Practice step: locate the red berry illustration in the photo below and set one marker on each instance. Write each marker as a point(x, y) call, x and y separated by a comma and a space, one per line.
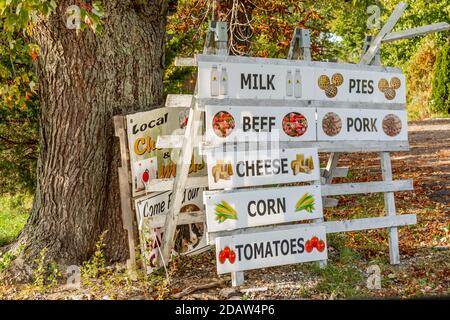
point(320, 246)
point(227, 251)
point(232, 257)
point(314, 241)
point(222, 257)
point(308, 246)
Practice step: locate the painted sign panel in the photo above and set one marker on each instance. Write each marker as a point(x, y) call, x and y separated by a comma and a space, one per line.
point(261, 167)
point(189, 236)
point(147, 161)
point(354, 124)
point(237, 124)
point(243, 209)
point(267, 249)
point(159, 203)
point(249, 78)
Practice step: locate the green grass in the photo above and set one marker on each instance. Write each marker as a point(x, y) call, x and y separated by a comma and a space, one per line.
point(14, 212)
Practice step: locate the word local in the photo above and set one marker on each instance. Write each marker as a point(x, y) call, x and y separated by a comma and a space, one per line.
point(262, 167)
point(364, 124)
point(253, 81)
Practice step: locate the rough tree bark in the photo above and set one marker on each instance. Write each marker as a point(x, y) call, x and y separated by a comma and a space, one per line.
point(84, 80)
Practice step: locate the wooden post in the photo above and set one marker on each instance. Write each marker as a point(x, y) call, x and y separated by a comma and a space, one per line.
point(125, 194)
point(389, 202)
point(300, 45)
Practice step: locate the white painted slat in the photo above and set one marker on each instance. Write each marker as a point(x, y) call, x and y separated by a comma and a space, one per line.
point(339, 172)
point(160, 185)
point(185, 62)
point(332, 226)
point(366, 187)
point(183, 218)
point(169, 142)
point(387, 28)
point(414, 32)
point(325, 146)
point(179, 100)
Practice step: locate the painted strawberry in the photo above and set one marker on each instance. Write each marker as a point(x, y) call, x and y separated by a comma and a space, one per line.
point(314, 241)
point(232, 257)
point(308, 246)
point(222, 257)
point(320, 245)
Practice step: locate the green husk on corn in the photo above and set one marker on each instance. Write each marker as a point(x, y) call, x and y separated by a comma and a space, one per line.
point(224, 211)
point(306, 202)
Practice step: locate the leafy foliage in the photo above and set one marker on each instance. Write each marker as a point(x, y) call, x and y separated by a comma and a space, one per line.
point(441, 84)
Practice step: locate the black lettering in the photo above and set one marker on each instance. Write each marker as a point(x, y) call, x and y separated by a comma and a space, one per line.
point(248, 254)
point(281, 205)
point(261, 208)
point(239, 247)
point(261, 87)
point(349, 123)
point(358, 124)
point(268, 250)
point(276, 242)
point(301, 247)
point(246, 124)
point(293, 246)
point(134, 129)
point(269, 82)
point(284, 166)
point(271, 206)
point(352, 85)
point(246, 81)
point(366, 125)
point(259, 250)
point(284, 247)
point(251, 213)
point(255, 82)
point(238, 165)
point(373, 124)
point(370, 87)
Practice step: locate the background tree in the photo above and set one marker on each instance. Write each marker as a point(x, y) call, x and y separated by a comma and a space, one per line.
point(114, 67)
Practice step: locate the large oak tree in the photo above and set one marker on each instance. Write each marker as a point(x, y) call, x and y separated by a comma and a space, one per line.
point(85, 78)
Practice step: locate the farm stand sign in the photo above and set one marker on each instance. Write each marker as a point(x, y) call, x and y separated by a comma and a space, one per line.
point(147, 161)
point(267, 249)
point(357, 124)
point(224, 124)
point(257, 78)
point(261, 167)
point(242, 209)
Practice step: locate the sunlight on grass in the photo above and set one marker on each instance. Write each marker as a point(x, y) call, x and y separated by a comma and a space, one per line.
point(14, 212)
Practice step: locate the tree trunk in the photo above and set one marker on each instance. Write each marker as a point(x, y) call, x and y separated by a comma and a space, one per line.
point(85, 79)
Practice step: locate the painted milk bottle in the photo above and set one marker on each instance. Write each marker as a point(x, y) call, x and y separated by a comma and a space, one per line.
point(289, 84)
point(224, 82)
point(214, 81)
point(297, 84)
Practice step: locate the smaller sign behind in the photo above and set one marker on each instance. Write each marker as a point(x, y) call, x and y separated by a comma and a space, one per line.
point(243, 209)
point(267, 249)
point(159, 203)
point(236, 124)
point(354, 124)
point(261, 167)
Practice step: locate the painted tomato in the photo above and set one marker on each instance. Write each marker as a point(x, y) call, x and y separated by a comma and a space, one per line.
point(232, 257)
point(222, 257)
point(314, 241)
point(145, 176)
point(308, 246)
point(320, 246)
point(227, 251)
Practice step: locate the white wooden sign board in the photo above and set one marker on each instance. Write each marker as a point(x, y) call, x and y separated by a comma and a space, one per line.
point(278, 79)
point(261, 167)
point(354, 124)
point(242, 209)
point(266, 249)
point(147, 161)
point(232, 123)
point(159, 204)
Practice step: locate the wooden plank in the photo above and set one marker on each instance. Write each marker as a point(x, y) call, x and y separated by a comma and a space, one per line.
point(202, 102)
point(329, 202)
point(125, 194)
point(180, 182)
point(294, 63)
point(339, 172)
point(414, 32)
point(389, 203)
point(159, 185)
point(366, 187)
point(185, 62)
point(325, 146)
point(387, 28)
point(332, 226)
point(183, 218)
point(179, 100)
